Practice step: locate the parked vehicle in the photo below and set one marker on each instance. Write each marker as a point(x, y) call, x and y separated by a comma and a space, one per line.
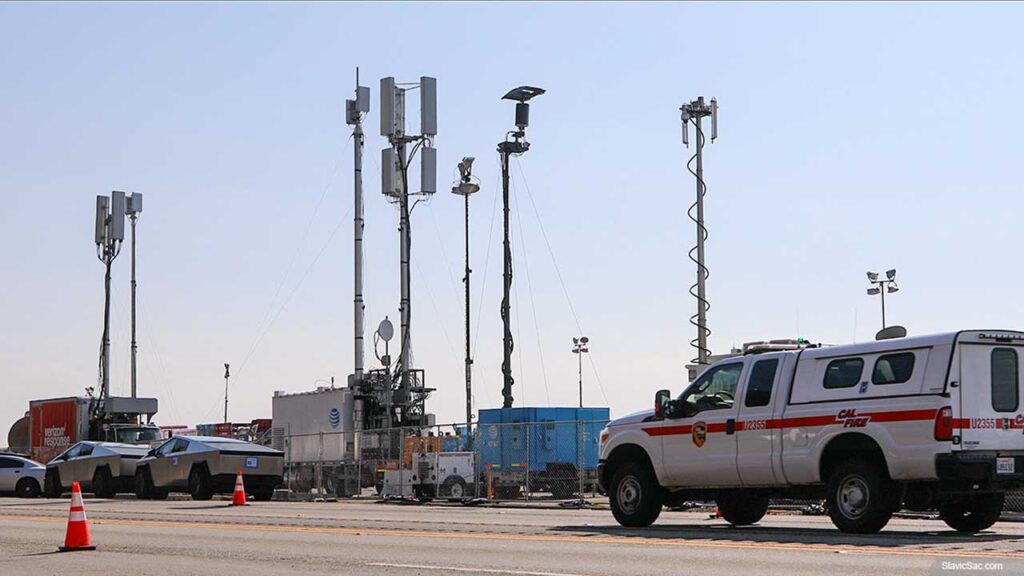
point(103, 468)
point(21, 476)
point(207, 465)
point(53, 425)
point(930, 422)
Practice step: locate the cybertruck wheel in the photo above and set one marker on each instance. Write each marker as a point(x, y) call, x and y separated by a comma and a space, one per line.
point(199, 484)
point(635, 495)
point(973, 513)
point(51, 484)
point(103, 484)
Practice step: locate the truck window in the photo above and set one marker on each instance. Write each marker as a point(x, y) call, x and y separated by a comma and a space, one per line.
point(893, 368)
point(1005, 377)
point(714, 390)
point(843, 373)
point(759, 389)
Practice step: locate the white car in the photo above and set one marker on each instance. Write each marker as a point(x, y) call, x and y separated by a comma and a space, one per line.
point(21, 476)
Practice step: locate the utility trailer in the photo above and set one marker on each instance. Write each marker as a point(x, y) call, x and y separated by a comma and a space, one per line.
point(539, 449)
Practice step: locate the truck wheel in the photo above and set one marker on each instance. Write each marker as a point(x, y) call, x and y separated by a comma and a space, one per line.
point(741, 508)
point(51, 484)
point(454, 488)
point(972, 513)
point(635, 495)
point(27, 488)
point(861, 497)
point(199, 484)
point(506, 492)
point(103, 484)
point(262, 494)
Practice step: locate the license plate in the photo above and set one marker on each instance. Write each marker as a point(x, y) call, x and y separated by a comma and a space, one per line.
point(254, 462)
point(1005, 466)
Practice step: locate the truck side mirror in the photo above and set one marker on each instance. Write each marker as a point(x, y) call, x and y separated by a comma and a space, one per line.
point(661, 400)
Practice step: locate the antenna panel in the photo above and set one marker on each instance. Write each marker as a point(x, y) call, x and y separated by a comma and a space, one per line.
point(428, 170)
point(102, 211)
point(388, 173)
point(133, 204)
point(387, 106)
point(363, 99)
point(428, 106)
point(117, 215)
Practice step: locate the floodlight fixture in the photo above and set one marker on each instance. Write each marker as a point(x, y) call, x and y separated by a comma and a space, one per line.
point(584, 340)
point(874, 291)
point(872, 276)
point(893, 288)
point(891, 274)
point(466, 167)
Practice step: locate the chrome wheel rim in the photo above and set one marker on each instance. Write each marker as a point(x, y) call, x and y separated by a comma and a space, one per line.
point(456, 490)
point(629, 495)
point(853, 496)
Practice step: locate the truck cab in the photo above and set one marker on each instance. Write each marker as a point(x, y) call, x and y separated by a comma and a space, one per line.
point(925, 422)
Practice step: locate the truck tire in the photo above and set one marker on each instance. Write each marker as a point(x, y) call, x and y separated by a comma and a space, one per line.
point(103, 484)
point(742, 508)
point(51, 484)
point(27, 488)
point(454, 489)
point(199, 484)
point(634, 495)
point(262, 494)
point(972, 513)
point(861, 498)
point(506, 492)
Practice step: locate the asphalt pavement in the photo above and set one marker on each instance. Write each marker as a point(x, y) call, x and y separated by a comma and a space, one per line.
point(185, 537)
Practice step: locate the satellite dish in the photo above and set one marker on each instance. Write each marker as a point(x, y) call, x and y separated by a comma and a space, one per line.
point(386, 330)
point(891, 332)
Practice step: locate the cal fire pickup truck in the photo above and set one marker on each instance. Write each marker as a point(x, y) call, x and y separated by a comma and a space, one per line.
point(927, 422)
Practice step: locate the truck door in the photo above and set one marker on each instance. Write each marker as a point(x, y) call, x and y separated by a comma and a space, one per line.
point(698, 440)
point(756, 439)
point(990, 413)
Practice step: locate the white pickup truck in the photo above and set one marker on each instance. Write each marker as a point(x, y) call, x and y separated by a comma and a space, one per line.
point(928, 422)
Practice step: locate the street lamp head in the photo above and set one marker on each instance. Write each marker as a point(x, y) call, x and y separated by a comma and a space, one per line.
point(872, 276)
point(891, 274)
point(874, 291)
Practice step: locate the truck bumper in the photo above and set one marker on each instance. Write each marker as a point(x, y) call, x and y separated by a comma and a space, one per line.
point(969, 469)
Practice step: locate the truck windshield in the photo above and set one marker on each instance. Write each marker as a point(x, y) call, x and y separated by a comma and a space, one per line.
point(141, 435)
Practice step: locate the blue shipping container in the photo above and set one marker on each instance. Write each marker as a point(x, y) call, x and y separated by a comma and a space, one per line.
point(517, 438)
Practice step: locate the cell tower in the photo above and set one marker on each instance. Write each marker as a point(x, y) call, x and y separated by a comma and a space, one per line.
point(395, 162)
point(110, 211)
point(693, 113)
point(354, 112)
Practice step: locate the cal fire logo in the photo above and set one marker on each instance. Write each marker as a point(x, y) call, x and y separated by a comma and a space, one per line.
point(700, 433)
point(851, 419)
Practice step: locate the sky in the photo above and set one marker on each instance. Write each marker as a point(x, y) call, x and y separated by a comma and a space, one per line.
point(853, 137)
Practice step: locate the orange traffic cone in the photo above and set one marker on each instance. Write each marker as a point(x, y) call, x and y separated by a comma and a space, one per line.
point(239, 498)
point(77, 537)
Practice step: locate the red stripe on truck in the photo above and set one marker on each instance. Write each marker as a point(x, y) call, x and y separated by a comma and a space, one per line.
point(800, 422)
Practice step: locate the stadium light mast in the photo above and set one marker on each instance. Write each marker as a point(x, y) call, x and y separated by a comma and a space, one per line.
point(693, 113)
point(395, 185)
point(579, 348)
point(879, 286)
point(518, 146)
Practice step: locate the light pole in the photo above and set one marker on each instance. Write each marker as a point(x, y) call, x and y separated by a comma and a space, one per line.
point(227, 375)
point(518, 145)
point(133, 207)
point(465, 187)
point(879, 286)
point(579, 348)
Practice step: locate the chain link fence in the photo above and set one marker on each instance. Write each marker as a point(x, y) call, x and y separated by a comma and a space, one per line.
point(522, 460)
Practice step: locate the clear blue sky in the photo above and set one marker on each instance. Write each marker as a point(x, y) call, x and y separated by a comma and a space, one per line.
point(853, 137)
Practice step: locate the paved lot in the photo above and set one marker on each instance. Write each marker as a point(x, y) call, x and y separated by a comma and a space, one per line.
point(185, 537)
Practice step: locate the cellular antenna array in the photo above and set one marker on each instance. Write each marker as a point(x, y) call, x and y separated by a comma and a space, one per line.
point(693, 113)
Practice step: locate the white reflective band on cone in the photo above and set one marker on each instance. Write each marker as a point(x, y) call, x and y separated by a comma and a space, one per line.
point(76, 517)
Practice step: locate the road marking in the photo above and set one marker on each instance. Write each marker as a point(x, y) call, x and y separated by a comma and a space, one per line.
point(592, 539)
point(462, 569)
